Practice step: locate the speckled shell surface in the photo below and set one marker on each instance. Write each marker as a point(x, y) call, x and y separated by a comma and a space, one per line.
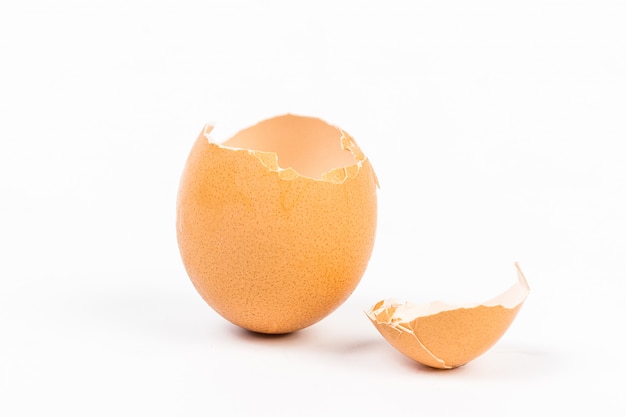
point(444, 336)
point(451, 338)
point(270, 250)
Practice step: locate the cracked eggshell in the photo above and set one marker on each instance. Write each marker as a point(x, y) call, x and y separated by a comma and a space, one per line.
point(445, 336)
point(276, 225)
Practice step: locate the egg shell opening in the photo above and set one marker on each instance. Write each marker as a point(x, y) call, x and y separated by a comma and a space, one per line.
point(443, 336)
point(275, 236)
point(300, 146)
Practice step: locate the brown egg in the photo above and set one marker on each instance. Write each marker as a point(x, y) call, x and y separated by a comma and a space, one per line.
point(444, 336)
point(276, 225)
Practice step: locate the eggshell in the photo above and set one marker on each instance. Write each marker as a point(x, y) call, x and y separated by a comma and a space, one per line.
point(276, 225)
point(445, 336)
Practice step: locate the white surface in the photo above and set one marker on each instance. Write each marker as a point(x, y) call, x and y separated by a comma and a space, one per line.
point(496, 130)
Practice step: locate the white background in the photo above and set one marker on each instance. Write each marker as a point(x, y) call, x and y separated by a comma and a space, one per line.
point(496, 130)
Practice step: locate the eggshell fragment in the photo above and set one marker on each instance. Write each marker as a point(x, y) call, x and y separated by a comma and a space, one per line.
point(276, 225)
point(445, 336)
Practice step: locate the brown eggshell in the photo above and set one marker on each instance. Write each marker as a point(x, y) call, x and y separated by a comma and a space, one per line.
point(444, 336)
point(276, 226)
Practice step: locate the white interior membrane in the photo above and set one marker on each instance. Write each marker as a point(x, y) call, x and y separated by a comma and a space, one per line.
point(509, 299)
point(308, 145)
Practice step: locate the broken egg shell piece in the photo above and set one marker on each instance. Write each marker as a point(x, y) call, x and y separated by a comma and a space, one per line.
point(445, 336)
